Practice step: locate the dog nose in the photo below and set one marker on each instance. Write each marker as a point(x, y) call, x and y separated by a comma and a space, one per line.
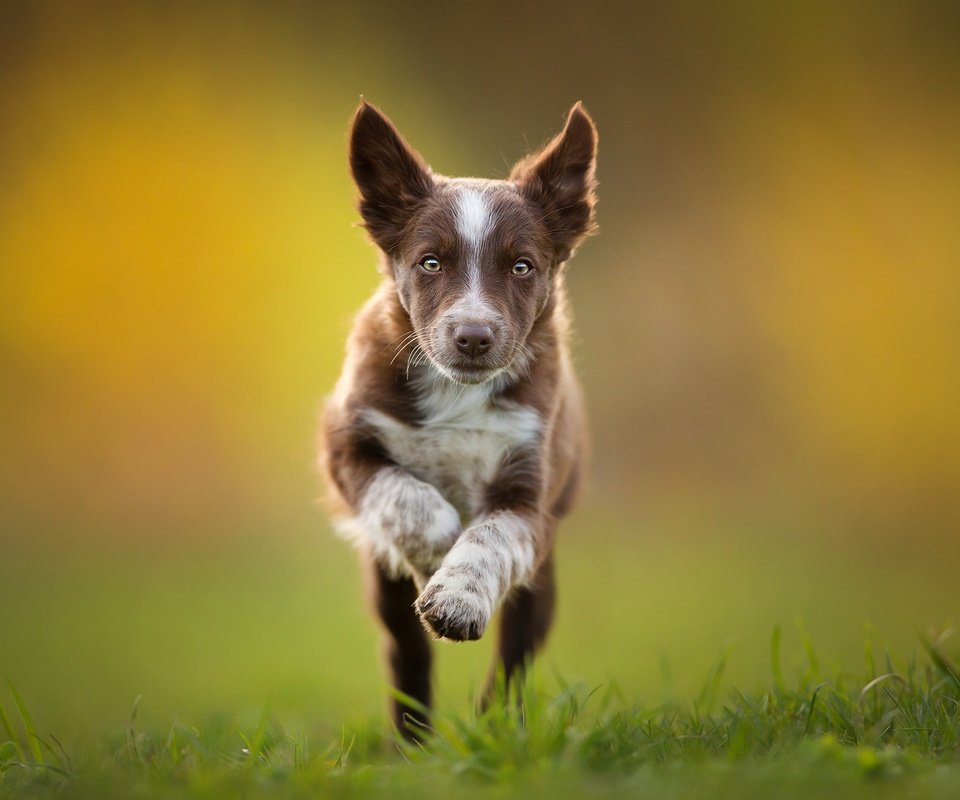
point(473, 340)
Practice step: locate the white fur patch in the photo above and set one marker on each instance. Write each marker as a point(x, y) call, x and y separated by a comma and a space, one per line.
point(493, 555)
point(462, 440)
point(406, 521)
point(501, 544)
point(475, 218)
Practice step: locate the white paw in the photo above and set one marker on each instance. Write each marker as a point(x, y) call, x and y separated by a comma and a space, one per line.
point(403, 513)
point(453, 607)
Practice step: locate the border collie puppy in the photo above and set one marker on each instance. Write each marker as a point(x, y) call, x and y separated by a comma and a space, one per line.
point(454, 436)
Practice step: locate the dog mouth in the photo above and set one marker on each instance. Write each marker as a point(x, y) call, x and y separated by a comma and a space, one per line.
point(471, 373)
point(466, 372)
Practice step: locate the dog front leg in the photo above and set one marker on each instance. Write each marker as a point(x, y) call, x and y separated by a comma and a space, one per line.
point(407, 525)
point(498, 551)
point(407, 519)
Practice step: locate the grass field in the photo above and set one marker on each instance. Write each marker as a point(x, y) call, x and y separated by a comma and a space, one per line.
point(892, 734)
point(682, 665)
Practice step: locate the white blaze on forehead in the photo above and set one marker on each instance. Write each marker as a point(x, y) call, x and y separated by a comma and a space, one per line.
point(474, 216)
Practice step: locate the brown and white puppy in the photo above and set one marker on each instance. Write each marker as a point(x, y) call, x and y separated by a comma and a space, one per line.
point(455, 433)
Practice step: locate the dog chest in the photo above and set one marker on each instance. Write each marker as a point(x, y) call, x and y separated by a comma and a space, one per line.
point(460, 443)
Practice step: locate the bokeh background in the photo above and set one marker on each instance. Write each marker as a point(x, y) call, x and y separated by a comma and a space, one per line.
point(768, 330)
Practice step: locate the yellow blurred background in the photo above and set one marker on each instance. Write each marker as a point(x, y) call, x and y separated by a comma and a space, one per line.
point(768, 326)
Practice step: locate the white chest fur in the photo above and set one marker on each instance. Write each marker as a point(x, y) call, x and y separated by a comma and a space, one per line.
point(463, 439)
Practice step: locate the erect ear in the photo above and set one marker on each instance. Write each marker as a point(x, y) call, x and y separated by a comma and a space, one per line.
point(560, 179)
point(391, 176)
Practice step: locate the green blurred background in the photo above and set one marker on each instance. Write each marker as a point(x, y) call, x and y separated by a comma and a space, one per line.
point(768, 330)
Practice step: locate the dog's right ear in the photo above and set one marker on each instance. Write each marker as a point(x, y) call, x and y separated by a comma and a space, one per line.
point(392, 177)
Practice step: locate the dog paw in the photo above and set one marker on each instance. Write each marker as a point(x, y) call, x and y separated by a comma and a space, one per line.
point(407, 516)
point(457, 613)
point(426, 547)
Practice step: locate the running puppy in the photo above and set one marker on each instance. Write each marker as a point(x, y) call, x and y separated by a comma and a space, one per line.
point(455, 433)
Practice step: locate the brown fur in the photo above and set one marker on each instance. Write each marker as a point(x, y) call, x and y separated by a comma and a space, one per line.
point(406, 333)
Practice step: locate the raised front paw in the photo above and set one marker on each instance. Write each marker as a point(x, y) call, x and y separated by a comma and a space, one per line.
point(426, 546)
point(453, 609)
point(402, 512)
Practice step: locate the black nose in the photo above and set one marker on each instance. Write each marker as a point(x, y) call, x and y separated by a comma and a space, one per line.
point(473, 340)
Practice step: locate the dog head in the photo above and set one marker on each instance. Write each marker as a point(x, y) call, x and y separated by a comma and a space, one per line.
point(474, 261)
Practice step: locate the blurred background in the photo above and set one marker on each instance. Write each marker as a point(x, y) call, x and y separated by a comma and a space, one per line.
point(768, 330)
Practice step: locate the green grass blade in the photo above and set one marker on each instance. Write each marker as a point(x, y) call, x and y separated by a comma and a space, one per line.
point(33, 740)
point(56, 755)
point(11, 735)
point(876, 682)
point(255, 745)
point(941, 661)
point(710, 691)
point(813, 703)
point(64, 759)
point(407, 700)
point(345, 748)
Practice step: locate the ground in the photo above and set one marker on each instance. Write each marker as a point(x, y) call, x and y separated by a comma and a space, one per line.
point(680, 667)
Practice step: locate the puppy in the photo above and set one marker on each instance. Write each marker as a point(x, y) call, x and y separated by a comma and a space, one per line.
point(454, 438)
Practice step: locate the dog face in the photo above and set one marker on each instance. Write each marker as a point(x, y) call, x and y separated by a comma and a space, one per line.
point(474, 261)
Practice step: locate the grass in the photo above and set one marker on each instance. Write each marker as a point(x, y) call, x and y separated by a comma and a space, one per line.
point(224, 617)
point(220, 622)
point(892, 731)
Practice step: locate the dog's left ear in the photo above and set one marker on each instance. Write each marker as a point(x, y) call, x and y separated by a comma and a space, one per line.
point(561, 180)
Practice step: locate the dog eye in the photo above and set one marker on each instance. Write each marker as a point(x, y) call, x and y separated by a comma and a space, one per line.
point(430, 264)
point(521, 267)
